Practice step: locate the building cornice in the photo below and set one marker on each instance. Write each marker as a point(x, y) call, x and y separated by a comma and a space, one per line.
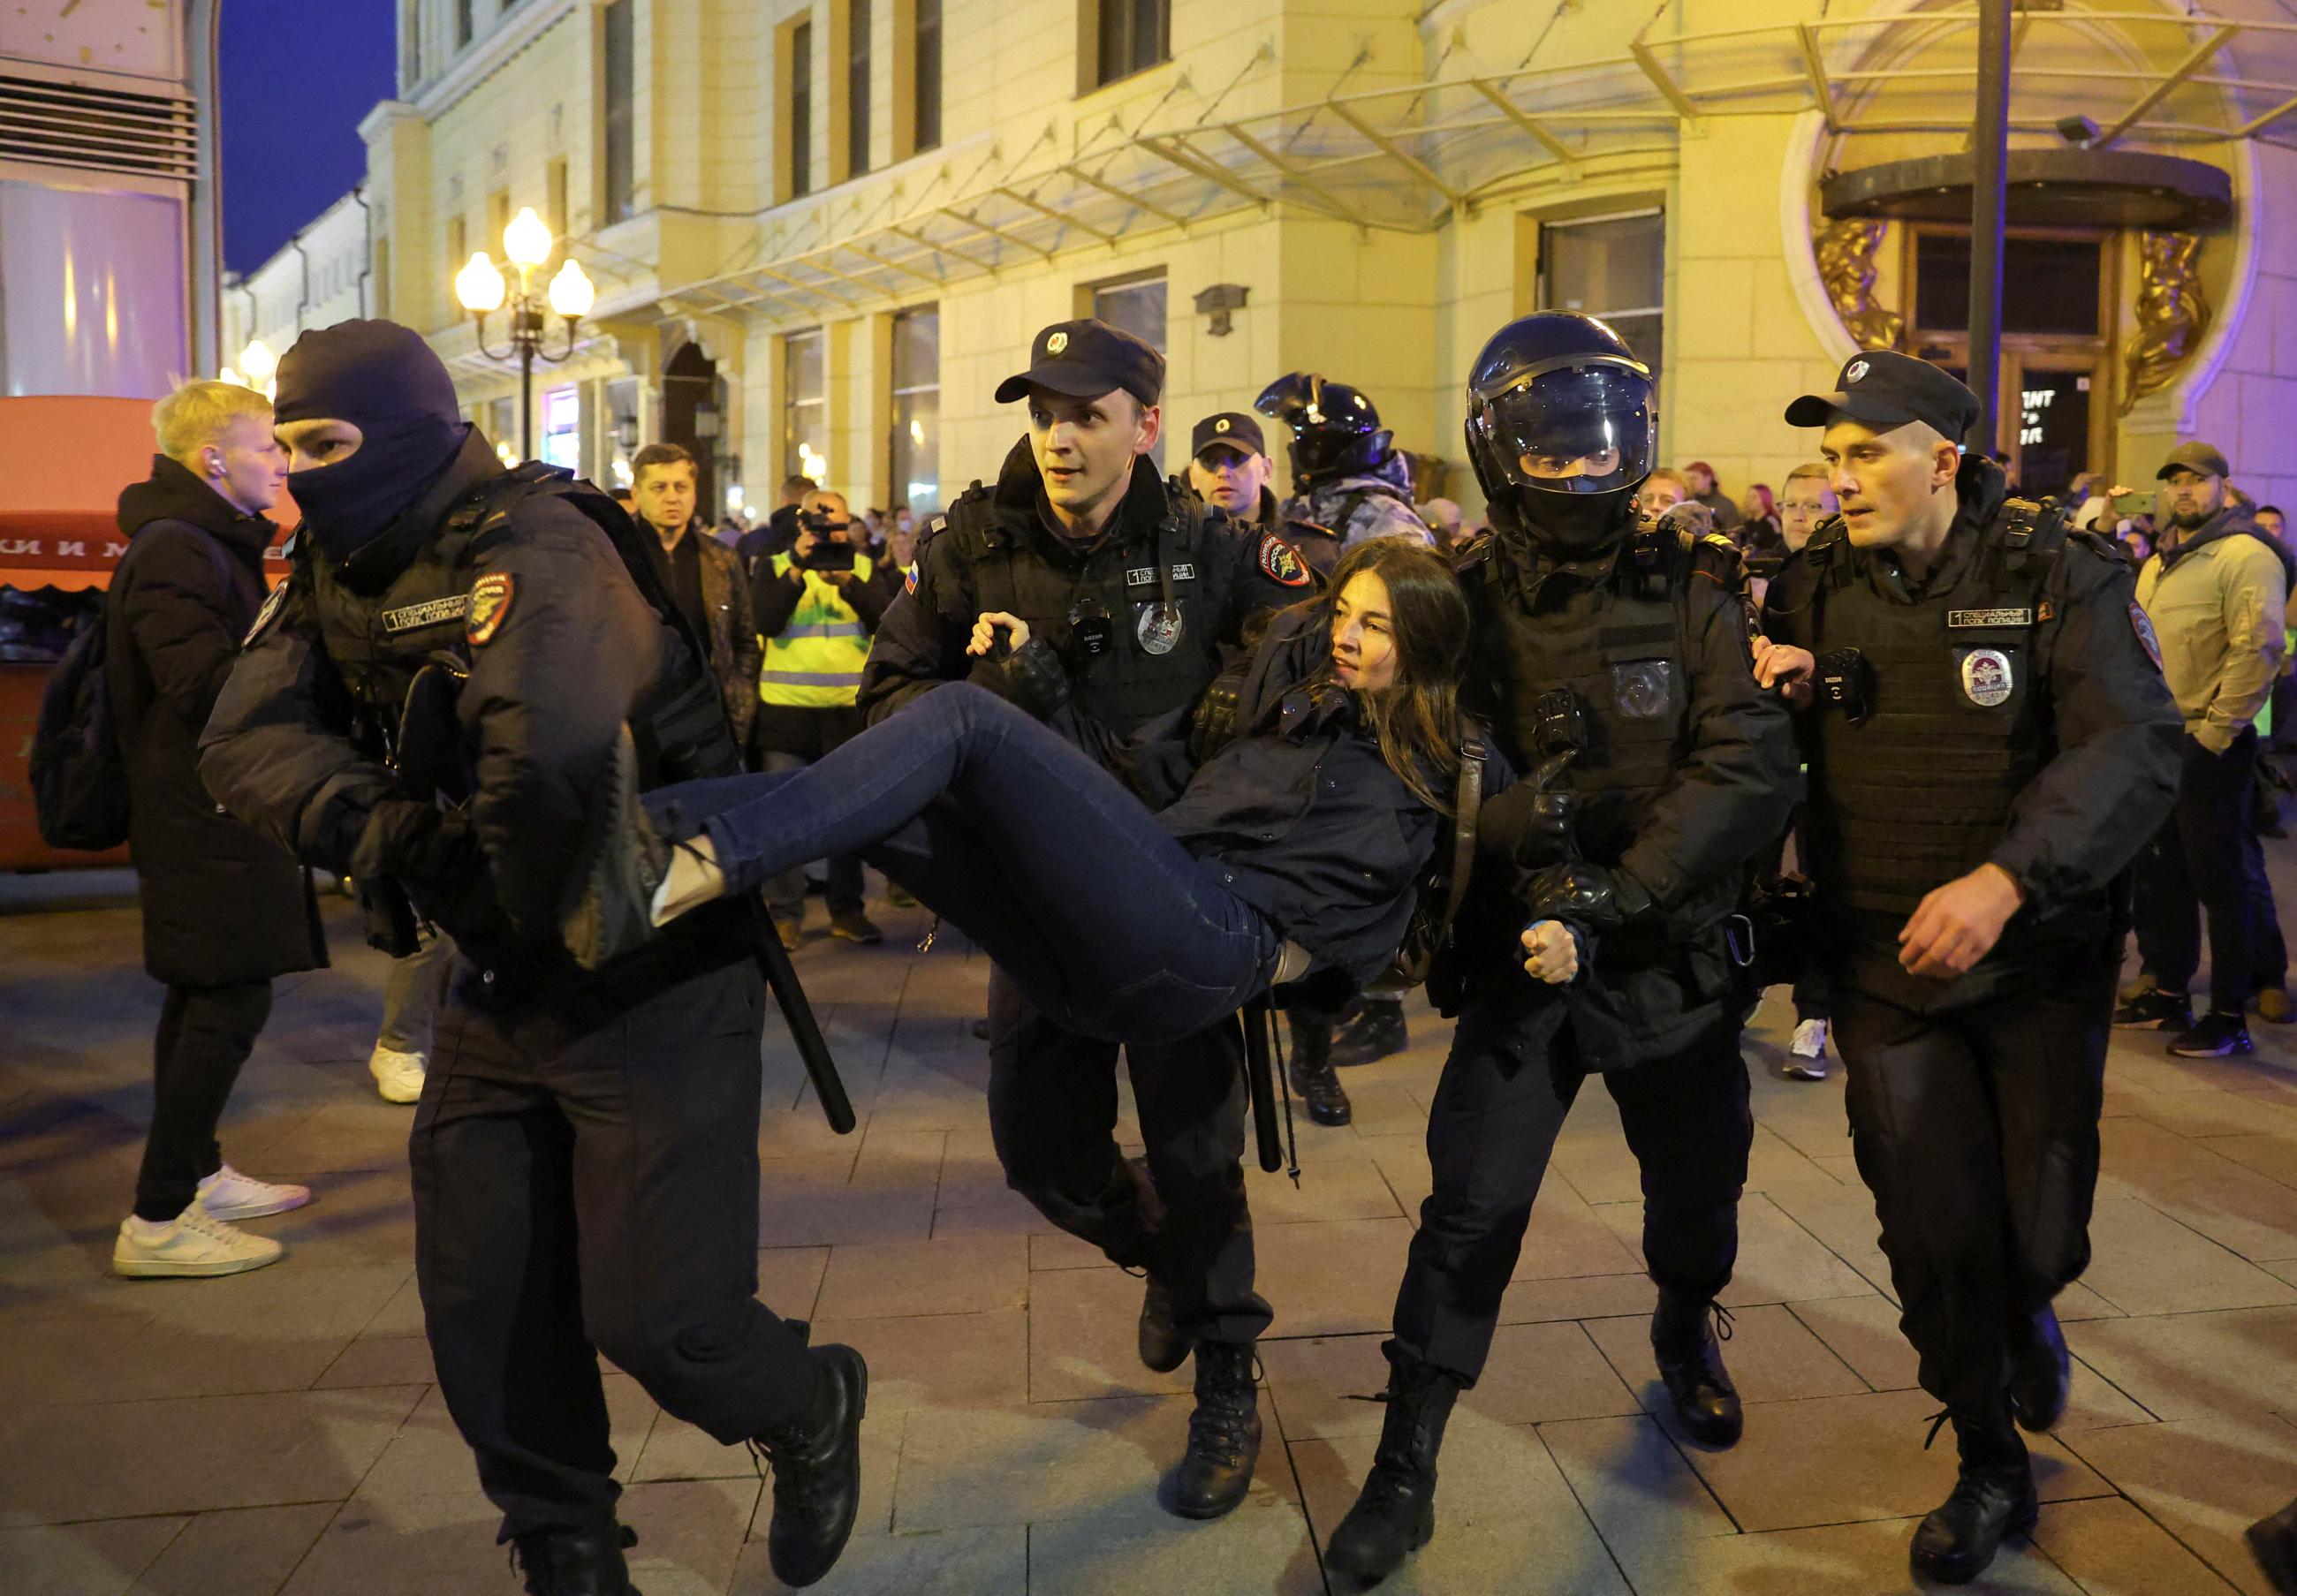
point(483, 59)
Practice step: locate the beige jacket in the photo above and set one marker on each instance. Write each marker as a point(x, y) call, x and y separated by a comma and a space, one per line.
point(2217, 609)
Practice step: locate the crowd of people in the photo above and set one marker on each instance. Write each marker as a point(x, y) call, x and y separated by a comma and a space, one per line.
point(1169, 748)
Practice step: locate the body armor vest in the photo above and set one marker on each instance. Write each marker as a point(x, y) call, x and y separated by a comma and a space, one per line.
point(379, 644)
point(1126, 595)
point(1931, 721)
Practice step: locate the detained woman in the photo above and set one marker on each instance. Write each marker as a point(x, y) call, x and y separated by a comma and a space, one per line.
point(1299, 845)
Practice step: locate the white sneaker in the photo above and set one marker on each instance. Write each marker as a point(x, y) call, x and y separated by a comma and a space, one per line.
point(195, 1244)
point(227, 1194)
point(1806, 1054)
point(398, 1076)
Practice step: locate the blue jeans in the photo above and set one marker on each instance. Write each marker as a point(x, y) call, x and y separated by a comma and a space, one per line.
point(1111, 927)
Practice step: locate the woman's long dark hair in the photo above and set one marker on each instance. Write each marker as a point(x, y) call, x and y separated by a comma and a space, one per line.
point(1416, 720)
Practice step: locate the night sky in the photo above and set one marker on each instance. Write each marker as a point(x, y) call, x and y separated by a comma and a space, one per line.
point(295, 79)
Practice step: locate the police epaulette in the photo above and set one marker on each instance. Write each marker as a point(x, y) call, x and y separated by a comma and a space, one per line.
point(1716, 558)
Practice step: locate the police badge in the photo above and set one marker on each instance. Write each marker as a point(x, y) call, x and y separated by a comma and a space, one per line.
point(1643, 690)
point(489, 603)
point(1985, 676)
point(1157, 626)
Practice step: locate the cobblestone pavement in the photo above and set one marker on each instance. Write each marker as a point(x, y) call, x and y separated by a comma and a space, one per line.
point(280, 1432)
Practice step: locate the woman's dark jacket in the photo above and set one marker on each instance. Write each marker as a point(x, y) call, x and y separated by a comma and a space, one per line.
point(221, 902)
point(1301, 818)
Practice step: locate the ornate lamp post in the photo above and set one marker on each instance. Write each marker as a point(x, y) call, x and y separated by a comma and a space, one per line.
point(481, 288)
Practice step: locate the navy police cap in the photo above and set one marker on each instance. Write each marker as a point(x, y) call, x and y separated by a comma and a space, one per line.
point(1884, 390)
point(1086, 358)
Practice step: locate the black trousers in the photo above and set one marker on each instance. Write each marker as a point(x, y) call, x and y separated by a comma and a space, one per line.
point(585, 1188)
point(205, 1034)
point(1052, 1115)
point(1490, 1133)
point(1977, 1132)
point(2206, 863)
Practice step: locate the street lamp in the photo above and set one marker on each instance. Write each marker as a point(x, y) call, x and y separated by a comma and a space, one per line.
point(481, 287)
point(259, 367)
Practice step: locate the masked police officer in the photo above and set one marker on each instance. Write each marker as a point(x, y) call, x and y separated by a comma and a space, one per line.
point(1611, 658)
point(585, 1154)
point(1991, 745)
point(1101, 597)
point(1348, 484)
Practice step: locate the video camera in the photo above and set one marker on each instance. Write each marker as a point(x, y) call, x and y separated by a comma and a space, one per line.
point(829, 553)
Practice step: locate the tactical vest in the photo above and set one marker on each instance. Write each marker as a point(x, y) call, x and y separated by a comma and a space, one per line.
point(815, 663)
point(1944, 723)
point(1128, 582)
point(378, 644)
point(1626, 660)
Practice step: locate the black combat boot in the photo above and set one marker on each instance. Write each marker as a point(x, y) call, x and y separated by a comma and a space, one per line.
point(1690, 1363)
point(1993, 1500)
point(2274, 1542)
point(1223, 1433)
point(1394, 1513)
point(2041, 1370)
point(1312, 1075)
point(1370, 1029)
point(817, 1462)
point(1163, 1347)
point(586, 1560)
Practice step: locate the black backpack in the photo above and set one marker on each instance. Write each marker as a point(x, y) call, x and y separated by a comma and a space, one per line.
point(78, 774)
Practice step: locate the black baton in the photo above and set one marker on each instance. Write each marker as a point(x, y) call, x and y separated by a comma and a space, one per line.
point(797, 1014)
point(1260, 1082)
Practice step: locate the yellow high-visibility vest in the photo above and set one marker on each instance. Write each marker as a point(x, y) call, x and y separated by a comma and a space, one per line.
point(816, 662)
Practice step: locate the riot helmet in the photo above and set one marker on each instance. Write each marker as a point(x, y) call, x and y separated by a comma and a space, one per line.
point(1336, 430)
point(1562, 428)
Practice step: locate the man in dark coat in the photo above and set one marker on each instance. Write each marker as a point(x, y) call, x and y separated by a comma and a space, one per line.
point(224, 908)
point(706, 580)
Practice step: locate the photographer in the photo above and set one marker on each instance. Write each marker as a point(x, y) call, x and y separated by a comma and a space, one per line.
point(816, 606)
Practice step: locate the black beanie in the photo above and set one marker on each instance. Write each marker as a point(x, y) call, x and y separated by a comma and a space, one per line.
point(386, 380)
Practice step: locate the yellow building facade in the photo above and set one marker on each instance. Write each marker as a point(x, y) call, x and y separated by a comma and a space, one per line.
point(822, 230)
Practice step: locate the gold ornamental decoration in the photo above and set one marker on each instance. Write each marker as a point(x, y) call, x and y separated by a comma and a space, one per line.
point(1846, 266)
point(2173, 312)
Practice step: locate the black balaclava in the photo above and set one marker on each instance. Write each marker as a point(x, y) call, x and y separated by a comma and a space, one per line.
point(384, 380)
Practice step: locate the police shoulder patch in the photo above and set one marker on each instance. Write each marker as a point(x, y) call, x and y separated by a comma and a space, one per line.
point(1281, 563)
point(276, 601)
point(489, 603)
point(2142, 624)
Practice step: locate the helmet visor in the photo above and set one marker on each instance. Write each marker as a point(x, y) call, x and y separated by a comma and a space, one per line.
point(1589, 428)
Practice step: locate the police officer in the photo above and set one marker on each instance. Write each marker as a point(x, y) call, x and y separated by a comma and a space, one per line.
point(585, 1152)
point(1348, 484)
point(1990, 746)
point(1129, 591)
point(1229, 468)
point(1611, 656)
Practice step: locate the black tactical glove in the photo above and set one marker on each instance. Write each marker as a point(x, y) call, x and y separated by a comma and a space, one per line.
point(1040, 681)
point(411, 841)
point(1529, 824)
point(1586, 896)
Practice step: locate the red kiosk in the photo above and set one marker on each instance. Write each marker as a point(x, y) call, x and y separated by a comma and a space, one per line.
point(64, 460)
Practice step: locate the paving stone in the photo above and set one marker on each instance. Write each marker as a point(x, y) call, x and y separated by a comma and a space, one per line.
point(1331, 1278)
point(2144, 1261)
point(941, 1360)
point(1568, 1239)
point(1083, 1339)
point(1536, 1373)
point(101, 1557)
point(1864, 1332)
point(1772, 1356)
point(380, 1361)
point(114, 1460)
point(1840, 1559)
point(1834, 1459)
point(991, 1561)
point(1505, 1519)
point(249, 1551)
point(2203, 1480)
point(2190, 1365)
point(2110, 1548)
point(1332, 1186)
point(960, 1275)
point(1632, 1481)
point(1261, 1548)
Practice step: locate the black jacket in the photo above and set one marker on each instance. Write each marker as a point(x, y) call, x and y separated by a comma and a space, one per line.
point(221, 902)
point(1301, 818)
